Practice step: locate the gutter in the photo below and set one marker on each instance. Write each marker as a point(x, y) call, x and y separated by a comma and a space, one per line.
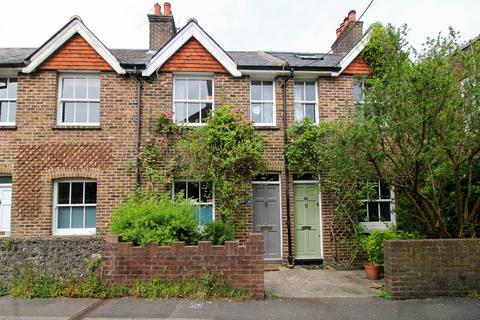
point(287, 172)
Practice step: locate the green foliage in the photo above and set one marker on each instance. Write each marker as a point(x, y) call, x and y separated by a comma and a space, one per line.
point(28, 284)
point(9, 245)
point(207, 287)
point(148, 217)
point(373, 243)
point(383, 293)
point(3, 290)
point(474, 295)
point(227, 152)
point(217, 232)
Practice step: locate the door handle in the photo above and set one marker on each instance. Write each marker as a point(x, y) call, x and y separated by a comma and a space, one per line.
point(266, 204)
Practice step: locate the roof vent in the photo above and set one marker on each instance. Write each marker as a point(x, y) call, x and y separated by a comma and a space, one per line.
point(309, 56)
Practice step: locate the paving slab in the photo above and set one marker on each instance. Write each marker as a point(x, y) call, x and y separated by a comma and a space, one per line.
point(288, 308)
point(42, 309)
point(301, 283)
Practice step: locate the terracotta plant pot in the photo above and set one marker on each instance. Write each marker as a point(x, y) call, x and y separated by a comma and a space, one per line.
point(372, 270)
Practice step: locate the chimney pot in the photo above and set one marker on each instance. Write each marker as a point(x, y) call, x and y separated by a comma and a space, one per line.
point(167, 7)
point(352, 15)
point(339, 32)
point(157, 9)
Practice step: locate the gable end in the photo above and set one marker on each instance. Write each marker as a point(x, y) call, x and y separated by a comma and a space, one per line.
point(193, 57)
point(76, 54)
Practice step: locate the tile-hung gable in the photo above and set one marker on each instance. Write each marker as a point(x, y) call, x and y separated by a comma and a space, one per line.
point(79, 111)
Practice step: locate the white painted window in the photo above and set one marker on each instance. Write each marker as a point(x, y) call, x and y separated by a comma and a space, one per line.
point(306, 100)
point(378, 208)
point(201, 193)
point(5, 205)
point(79, 100)
point(8, 101)
point(192, 99)
point(262, 103)
point(75, 207)
point(359, 86)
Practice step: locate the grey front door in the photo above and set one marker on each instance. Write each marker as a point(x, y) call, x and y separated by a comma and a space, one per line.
point(266, 217)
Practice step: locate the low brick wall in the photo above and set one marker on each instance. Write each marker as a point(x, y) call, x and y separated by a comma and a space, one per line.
point(430, 268)
point(241, 265)
point(61, 256)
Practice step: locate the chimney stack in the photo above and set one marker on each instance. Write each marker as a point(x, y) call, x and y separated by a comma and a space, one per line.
point(349, 33)
point(162, 26)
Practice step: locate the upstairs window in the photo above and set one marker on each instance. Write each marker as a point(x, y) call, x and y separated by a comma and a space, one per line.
point(8, 101)
point(359, 86)
point(201, 194)
point(262, 103)
point(305, 101)
point(79, 102)
point(75, 205)
point(192, 100)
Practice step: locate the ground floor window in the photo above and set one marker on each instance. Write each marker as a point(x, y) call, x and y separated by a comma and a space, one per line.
point(201, 194)
point(378, 207)
point(75, 207)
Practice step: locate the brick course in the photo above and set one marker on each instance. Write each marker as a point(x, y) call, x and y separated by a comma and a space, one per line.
point(241, 265)
point(430, 268)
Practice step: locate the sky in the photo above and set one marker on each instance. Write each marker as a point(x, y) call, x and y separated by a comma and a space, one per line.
point(270, 25)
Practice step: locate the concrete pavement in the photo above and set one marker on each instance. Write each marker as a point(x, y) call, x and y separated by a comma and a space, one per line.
point(283, 308)
point(301, 283)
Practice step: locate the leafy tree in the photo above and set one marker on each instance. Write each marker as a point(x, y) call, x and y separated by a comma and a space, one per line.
point(418, 131)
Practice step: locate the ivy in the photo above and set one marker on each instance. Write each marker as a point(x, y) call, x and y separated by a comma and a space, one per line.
point(228, 152)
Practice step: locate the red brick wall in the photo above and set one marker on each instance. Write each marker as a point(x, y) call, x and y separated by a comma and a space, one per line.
point(242, 266)
point(37, 152)
point(430, 268)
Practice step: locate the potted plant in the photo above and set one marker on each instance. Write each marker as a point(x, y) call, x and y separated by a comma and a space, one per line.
point(373, 245)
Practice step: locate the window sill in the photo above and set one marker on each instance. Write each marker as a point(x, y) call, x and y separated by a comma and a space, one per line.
point(8, 127)
point(76, 127)
point(376, 226)
point(74, 232)
point(266, 128)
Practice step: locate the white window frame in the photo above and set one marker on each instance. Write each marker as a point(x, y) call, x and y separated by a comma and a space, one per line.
point(363, 87)
point(197, 203)
point(61, 100)
point(303, 102)
point(273, 102)
point(71, 231)
point(192, 77)
point(8, 99)
point(381, 225)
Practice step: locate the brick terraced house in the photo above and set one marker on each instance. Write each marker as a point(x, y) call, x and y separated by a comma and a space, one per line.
point(73, 113)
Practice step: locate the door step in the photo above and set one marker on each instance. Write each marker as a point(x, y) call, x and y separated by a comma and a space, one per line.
point(272, 267)
point(306, 262)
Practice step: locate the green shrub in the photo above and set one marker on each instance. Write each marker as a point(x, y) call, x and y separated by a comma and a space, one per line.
point(148, 217)
point(28, 284)
point(3, 290)
point(217, 232)
point(207, 287)
point(373, 243)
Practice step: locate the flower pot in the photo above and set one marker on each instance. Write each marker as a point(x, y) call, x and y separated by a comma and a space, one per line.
point(372, 270)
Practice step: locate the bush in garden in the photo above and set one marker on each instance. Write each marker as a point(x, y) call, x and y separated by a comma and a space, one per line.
point(147, 217)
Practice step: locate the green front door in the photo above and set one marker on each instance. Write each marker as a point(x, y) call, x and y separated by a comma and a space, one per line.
point(307, 221)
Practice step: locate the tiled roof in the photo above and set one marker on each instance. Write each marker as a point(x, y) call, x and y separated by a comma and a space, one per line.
point(244, 59)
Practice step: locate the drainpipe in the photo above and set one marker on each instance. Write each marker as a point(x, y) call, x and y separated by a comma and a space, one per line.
point(139, 125)
point(287, 173)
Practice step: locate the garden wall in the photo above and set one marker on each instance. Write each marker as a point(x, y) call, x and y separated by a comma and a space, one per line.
point(55, 255)
point(430, 268)
point(241, 265)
